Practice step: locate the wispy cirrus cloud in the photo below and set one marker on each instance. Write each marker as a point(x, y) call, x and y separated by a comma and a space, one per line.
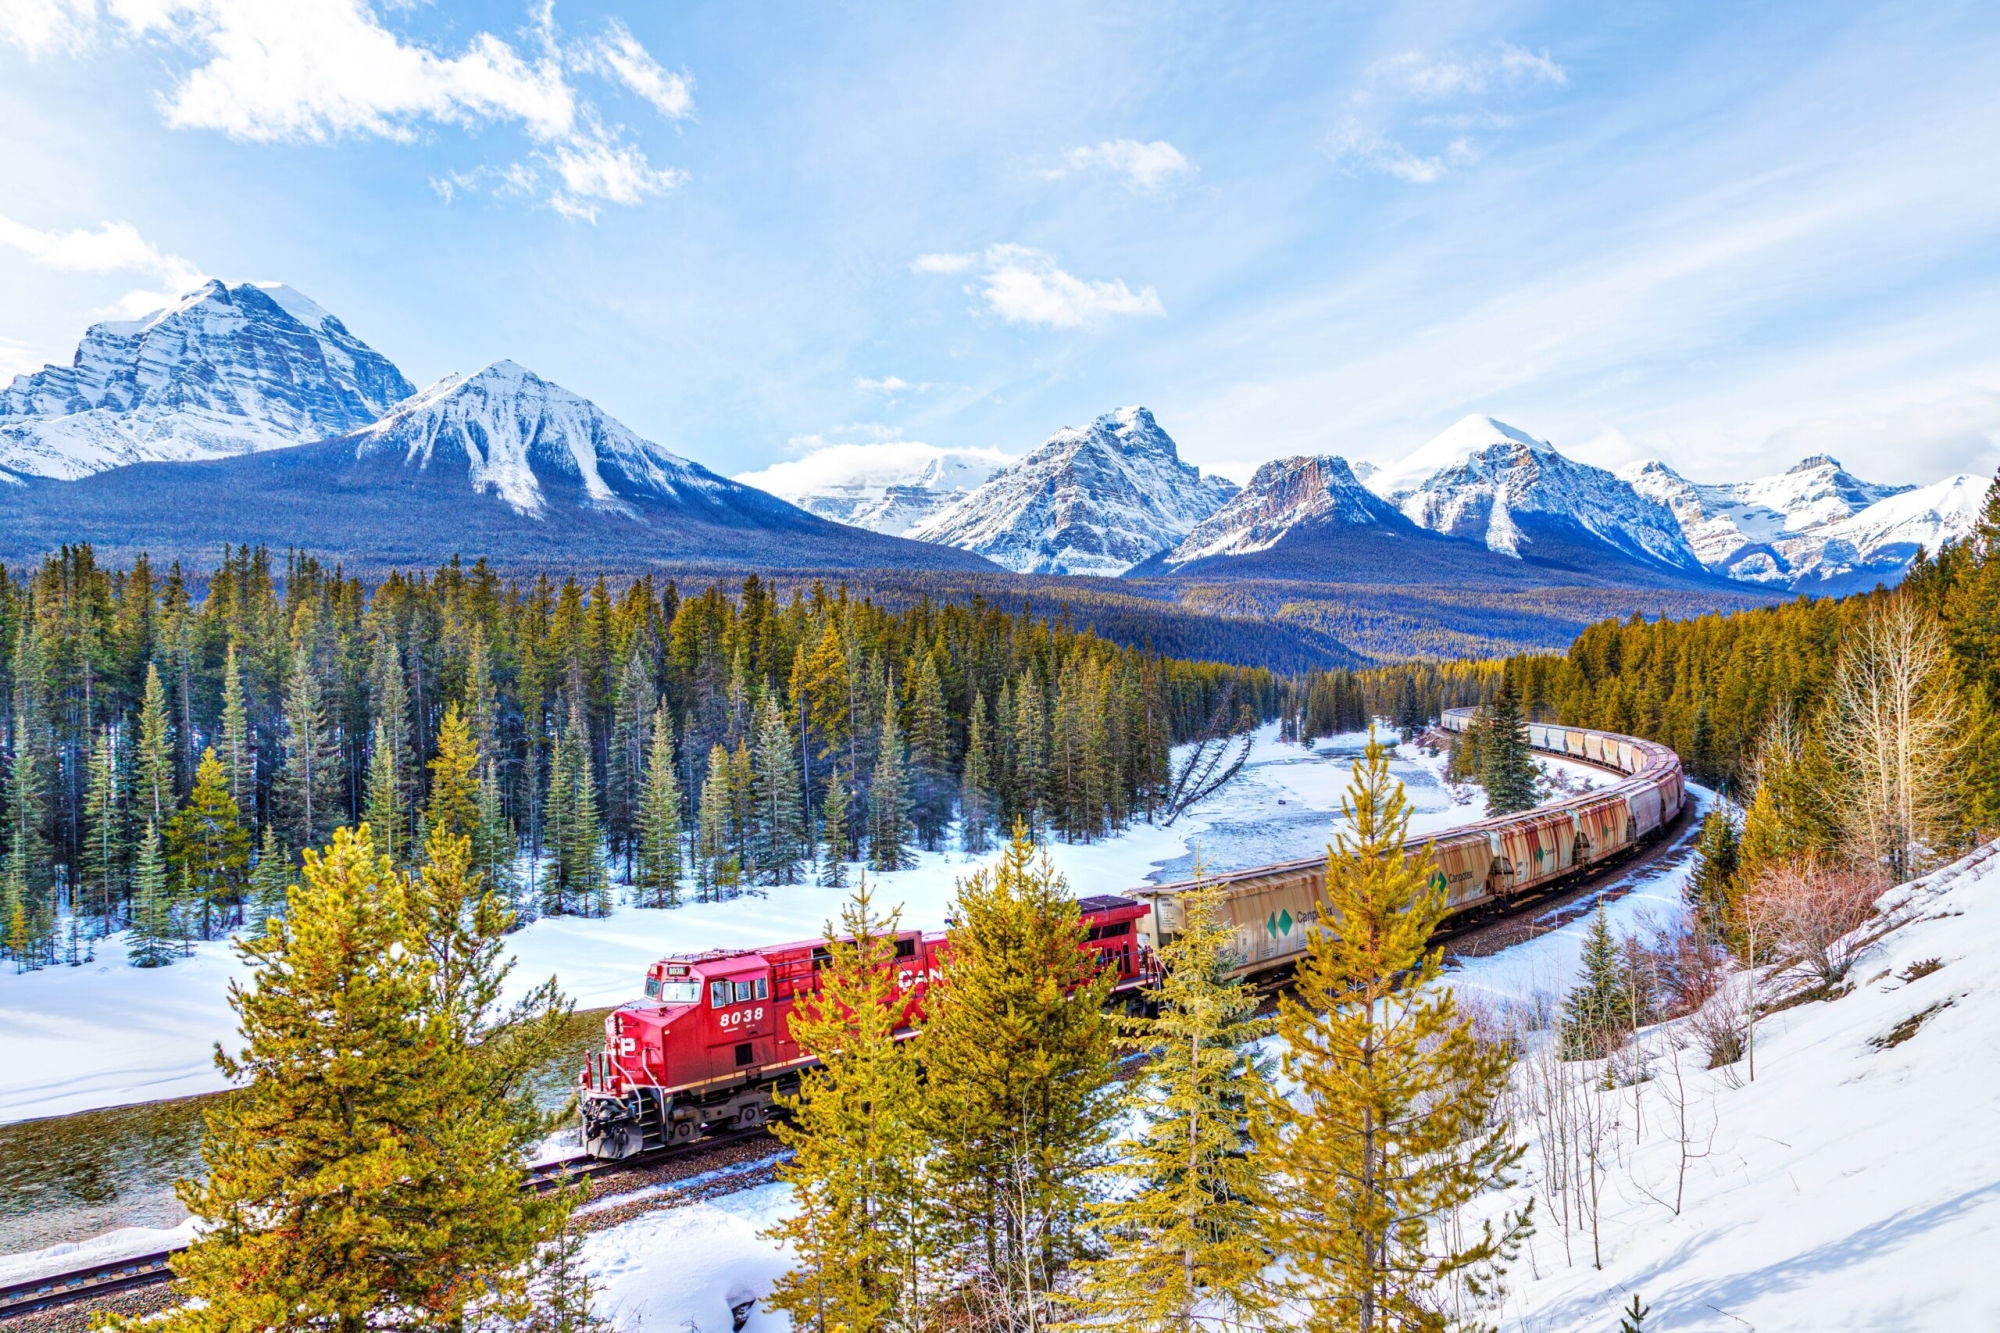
point(113, 247)
point(1024, 285)
point(1146, 167)
point(1376, 132)
point(316, 71)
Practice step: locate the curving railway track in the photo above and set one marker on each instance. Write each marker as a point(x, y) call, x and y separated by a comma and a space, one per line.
point(1639, 767)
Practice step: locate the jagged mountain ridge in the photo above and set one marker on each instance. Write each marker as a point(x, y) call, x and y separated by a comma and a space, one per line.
point(1814, 527)
point(502, 465)
point(889, 500)
point(1287, 497)
point(1485, 481)
point(1094, 499)
point(224, 370)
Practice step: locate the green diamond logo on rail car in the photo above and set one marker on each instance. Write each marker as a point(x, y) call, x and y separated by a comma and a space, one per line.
point(1284, 923)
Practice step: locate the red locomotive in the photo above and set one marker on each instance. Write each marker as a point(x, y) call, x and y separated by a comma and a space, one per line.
point(711, 1043)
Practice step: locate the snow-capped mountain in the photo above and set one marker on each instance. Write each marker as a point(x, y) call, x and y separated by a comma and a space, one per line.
point(224, 370)
point(887, 488)
point(1093, 499)
point(1287, 496)
point(501, 465)
point(1486, 481)
point(1813, 527)
point(528, 441)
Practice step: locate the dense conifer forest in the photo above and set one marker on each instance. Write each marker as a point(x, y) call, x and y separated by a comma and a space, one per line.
point(173, 739)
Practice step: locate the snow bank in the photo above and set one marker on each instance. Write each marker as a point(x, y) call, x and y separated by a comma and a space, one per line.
point(1853, 1186)
point(690, 1268)
point(124, 1243)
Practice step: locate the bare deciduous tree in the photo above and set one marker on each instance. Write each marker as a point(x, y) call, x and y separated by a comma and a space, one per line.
point(1895, 722)
point(1806, 914)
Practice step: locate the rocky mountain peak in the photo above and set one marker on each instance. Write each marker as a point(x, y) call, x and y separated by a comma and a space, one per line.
point(223, 370)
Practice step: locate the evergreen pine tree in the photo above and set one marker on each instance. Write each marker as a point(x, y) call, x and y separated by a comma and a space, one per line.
point(495, 845)
point(1018, 1060)
point(888, 799)
point(656, 879)
point(207, 850)
point(1507, 764)
point(152, 927)
point(1183, 1240)
point(153, 785)
point(1398, 1116)
point(578, 883)
point(1710, 888)
point(236, 757)
point(780, 832)
point(363, 1123)
point(1410, 717)
point(309, 782)
point(1031, 754)
point(453, 808)
point(837, 844)
point(383, 807)
point(106, 844)
point(931, 781)
point(1632, 1319)
point(270, 881)
point(975, 784)
point(718, 872)
point(625, 762)
point(1598, 1012)
point(857, 1230)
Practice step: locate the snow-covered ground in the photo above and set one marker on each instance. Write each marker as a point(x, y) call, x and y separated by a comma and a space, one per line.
point(106, 1034)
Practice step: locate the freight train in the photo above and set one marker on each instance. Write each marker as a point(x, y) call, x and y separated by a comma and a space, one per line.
point(710, 1045)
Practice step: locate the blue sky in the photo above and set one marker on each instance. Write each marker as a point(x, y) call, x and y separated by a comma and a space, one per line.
point(1722, 235)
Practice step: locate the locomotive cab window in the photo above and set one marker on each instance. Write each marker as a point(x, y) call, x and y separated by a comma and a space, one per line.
point(718, 994)
point(652, 988)
point(679, 992)
point(752, 990)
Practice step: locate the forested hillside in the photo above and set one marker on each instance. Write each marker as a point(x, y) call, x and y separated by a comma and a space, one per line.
point(173, 739)
point(1730, 692)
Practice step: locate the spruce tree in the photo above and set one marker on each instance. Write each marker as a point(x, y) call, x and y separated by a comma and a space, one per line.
point(1507, 763)
point(931, 781)
point(453, 808)
point(1710, 887)
point(383, 806)
point(237, 762)
point(975, 784)
point(153, 784)
point(717, 871)
point(1632, 1319)
point(780, 819)
point(362, 1122)
point(152, 925)
point(309, 782)
point(1397, 1116)
point(625, 762)
point(1183, 1230)
point(270, 881)
point(888, 800)
point(1031, 754)
point(207, 850)
point(656, 879)
point(578, 883)
point(1598, 1011)
point(837, 844)
point(1018, 1060)
point(106, 843)
point(858, 1228)
point(496, 845)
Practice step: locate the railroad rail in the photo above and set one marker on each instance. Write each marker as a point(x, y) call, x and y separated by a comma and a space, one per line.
point(1492, 867)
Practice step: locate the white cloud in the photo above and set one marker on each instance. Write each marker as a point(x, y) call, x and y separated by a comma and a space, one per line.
point(872, 466)
point(1366, 138)
point(115, 247)
point(313, 71)
point(943, 263)
point(598, 167)
point(1145, 166)
point(1927, 438)
point(1023, 285)
point(887, 384)
point(1355, 144)
point(40, 27)
point(1438, 79)
point(619, 54)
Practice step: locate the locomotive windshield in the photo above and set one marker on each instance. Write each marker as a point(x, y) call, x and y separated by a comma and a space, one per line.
point(673, 990)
